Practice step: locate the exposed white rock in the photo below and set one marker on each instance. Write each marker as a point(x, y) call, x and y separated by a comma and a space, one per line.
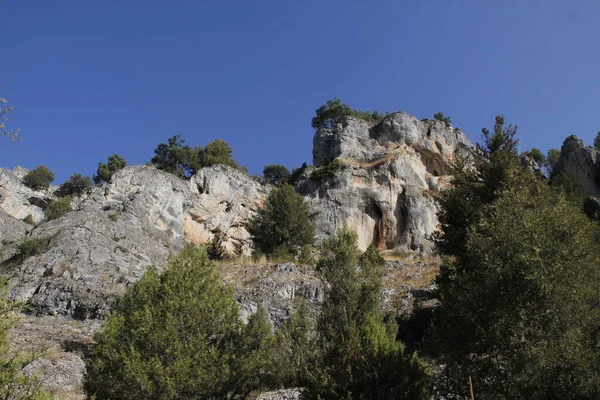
point(18, 200)
point(386, 193)
point(583, 161)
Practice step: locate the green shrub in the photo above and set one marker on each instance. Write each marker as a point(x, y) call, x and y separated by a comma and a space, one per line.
point(334, 113)
point(38, 178)
point(326, 172)
point(57, 208)
point(284, 222)
point(32, 247)
point(552, 158)
point(174, 338)
point(297, 173)
point(441, 117)
point(114, 217)
point(217, 152)
point(29, 219)
point(76, 185)
point(105, 172)
point(276, 174)
point(359, 356)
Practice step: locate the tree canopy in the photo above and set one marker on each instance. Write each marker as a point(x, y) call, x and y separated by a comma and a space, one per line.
point(518, 288)
point(177, 335)
point(76, 185)
point(276, 174)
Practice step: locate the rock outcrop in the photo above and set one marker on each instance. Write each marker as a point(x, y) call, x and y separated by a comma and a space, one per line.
point(18, 200)
point(120, 229)
point(393, 170)
point(582, 161)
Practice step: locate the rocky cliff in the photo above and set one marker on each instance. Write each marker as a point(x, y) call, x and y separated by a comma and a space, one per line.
point(393, 170)
point(582, 161)
point(116, 231)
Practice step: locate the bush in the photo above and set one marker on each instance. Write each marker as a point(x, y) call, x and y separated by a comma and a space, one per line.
point(32, 247)
point(217, 152)
point(29, 219)
point(517, 313)
point(105, 172)
point(441, 117)
point(176, 157)
point(297, 173)
point(38, 178)
point(57, 208)
point(334, 113)
point(326, 172)
point(552, 159)
point(276, 174)
point(359, 355)
point(76, 185)
point(284, 222)
point(178, 335)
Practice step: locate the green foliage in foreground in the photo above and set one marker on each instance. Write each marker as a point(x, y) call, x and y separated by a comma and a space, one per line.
point(334, 113)
point(178, 336)
point(14, 383)
point(105, 172)
point(58, 207)
point(519, 298)
point(284, 222)
point(39, 178)
point(359, 355)
point(520, 310)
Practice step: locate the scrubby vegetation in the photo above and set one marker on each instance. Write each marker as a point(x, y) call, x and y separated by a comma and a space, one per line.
point(39, 178)
point(15, 382)
point(334, 113)
point(276, 174)
point(326, 172)
point(57, 208)
point(76, 185)
point(32, 247)
point(443, 118)
point(105, 172)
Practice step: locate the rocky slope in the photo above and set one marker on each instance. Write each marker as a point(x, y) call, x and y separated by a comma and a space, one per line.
point(118, 230)
point(393, 170)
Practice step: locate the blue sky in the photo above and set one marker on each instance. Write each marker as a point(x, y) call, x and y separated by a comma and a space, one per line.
point(93, 78)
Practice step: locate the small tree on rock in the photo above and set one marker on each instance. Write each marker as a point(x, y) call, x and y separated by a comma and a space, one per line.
point(218, 152)
point(276, 174)
point(39, 178)
point(76, 185)
point(360, 357)
point(106, 171)
point(283, 223)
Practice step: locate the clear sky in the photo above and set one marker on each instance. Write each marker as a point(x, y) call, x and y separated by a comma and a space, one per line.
point(92, 78)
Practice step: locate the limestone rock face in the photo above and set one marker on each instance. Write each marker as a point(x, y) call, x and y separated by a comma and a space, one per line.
point(18, 200)
point(122, 228)
point(393, 169)
point(227, 199)
point(12, 229)
point(583, 161)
